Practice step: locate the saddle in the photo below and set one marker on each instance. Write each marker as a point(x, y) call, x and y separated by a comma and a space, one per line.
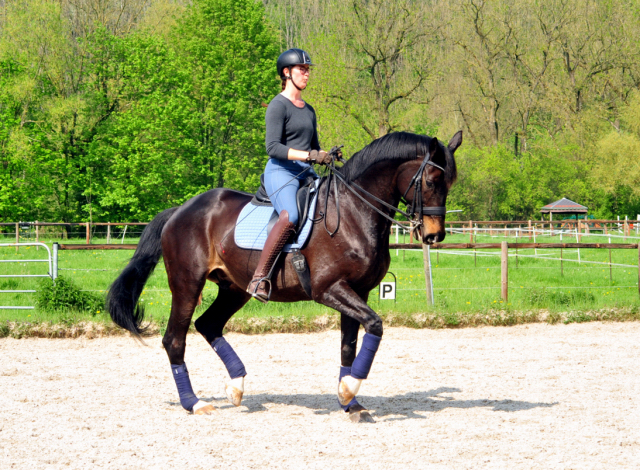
point(258, 217)
point(303, 201)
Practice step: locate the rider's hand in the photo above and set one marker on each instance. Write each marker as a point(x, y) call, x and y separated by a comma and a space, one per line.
point(335, 150)
point(319, 157)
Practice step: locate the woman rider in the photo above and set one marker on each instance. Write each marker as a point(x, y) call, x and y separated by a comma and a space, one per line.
point(292, 145)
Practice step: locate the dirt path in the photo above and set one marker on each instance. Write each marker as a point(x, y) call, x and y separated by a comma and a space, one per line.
point(532, 396)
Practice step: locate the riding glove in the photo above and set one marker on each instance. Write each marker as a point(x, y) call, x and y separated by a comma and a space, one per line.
point(319, 157)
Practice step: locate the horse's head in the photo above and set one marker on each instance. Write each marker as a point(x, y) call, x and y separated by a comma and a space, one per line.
point(425, 183)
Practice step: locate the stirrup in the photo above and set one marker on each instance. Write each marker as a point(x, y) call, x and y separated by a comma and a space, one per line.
point(254, 291)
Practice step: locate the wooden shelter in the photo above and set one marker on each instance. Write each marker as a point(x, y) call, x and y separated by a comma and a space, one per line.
point(564, 206)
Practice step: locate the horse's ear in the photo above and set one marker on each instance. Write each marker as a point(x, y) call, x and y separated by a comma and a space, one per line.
point(433, 147)
point(455, 141)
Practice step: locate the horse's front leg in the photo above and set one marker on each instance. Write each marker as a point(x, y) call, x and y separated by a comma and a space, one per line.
point(349, 344)
point(342, 297)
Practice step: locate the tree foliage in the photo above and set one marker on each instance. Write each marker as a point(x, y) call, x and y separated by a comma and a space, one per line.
point(116, 110)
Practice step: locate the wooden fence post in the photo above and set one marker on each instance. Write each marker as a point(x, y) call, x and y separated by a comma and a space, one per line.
point(17, 235)
point(88, 234)
point(579, 231)
point(470, 232)
point(37, 236)
point(108, 232)
point(626, 228)
point(529, 231)
point(426, 254)
point(504, 269)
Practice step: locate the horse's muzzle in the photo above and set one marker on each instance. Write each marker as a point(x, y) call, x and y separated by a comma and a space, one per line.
point(432, 230)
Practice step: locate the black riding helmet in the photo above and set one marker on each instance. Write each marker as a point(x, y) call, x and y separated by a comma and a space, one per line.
point(290, 58)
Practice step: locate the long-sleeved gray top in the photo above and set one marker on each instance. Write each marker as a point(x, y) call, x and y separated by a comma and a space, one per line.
point(290, 127)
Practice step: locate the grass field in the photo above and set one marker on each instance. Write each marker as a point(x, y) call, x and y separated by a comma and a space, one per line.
point(465, 283)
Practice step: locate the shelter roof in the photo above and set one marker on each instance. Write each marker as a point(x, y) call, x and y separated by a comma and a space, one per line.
point(564, 205)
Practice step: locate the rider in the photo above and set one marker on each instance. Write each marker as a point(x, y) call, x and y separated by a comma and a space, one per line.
point(292, 145)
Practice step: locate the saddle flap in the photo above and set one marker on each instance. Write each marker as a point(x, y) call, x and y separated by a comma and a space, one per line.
point(303, 197)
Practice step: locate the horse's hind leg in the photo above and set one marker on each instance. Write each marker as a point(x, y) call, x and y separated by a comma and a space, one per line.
point(186, 292)
point(230, 299)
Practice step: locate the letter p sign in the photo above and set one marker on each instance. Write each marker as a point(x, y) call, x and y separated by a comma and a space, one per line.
point(387, 291)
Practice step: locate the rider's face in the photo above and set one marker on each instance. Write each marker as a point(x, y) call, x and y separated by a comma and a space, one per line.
point(300, 75)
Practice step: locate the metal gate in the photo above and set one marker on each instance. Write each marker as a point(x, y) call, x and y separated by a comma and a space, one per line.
point(53, 270)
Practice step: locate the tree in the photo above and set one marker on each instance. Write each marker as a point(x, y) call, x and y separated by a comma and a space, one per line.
point(195, 119)
point(230, 51)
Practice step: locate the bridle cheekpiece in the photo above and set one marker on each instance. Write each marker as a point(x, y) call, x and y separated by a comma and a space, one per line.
point(416, 210)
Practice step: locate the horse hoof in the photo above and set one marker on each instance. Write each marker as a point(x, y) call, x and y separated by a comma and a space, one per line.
point(361, 417)
point(203, 408)
point(235, 390)
point(347, 389)
point(234, 395)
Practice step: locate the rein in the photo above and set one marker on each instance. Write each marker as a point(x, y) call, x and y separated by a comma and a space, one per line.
point(413, 214)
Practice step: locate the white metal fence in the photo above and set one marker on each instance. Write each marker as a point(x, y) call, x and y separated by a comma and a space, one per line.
point(52, 260)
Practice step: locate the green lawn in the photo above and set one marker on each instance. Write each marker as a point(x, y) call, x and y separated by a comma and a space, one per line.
point(465, 282)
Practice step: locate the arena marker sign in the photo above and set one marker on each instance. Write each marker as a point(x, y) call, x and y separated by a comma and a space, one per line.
point(387, 290)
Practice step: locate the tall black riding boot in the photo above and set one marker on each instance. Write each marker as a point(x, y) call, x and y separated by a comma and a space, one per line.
point(276, 240)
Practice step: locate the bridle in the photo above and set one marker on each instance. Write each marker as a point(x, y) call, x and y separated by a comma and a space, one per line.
point(415, 211)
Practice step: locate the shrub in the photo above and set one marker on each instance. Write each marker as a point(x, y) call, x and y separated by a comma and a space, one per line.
point(63, 294)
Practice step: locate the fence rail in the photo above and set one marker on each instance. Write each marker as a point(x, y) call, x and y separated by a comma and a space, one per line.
point(478, 246)
point(531, 229)
point(409, 246)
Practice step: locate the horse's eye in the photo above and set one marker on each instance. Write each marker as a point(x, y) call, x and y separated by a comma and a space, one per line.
point(430, 184)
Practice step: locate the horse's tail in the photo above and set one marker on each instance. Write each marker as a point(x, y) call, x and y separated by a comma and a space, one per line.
point(122, 299)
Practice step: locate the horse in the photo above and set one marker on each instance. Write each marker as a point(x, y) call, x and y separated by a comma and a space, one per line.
point(196, 243)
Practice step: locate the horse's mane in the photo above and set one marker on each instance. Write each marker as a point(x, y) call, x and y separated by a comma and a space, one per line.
point(400, 146)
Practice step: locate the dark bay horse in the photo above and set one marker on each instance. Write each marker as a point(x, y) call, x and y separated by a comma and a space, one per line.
point(196, 242)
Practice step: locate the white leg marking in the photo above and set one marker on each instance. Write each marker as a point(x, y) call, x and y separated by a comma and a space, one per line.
point(348, 389)
point(235, 390)
point(203, 408)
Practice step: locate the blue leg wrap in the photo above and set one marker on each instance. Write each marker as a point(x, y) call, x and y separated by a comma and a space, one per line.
point(346, 371)
point(231, 361)
point(362, 364)
point(181, 376)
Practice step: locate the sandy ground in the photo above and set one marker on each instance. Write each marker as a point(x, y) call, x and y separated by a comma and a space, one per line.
point(533, 396)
